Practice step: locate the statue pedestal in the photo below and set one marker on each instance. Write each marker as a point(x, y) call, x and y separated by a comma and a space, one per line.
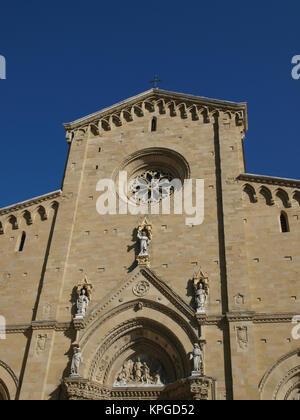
point(79, 316)
point(200, 311)
point(196, 373)
point(195, 387)
point(143, 260)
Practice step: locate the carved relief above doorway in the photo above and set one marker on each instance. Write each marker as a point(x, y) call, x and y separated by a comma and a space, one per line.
point(141, 370)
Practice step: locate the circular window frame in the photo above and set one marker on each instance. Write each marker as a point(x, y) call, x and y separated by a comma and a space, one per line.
point(153, 158)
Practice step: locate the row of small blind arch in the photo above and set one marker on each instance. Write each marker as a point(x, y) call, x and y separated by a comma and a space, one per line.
point(284, 197)
point(29, 218)
point(267, 194)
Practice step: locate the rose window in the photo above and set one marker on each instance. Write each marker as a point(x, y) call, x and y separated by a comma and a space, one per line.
point(151, 186)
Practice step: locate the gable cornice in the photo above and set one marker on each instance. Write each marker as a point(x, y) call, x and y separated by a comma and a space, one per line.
point(272, 180)
point(104, 307)
point(169, 293)
point(30, 202)
point(238, 109)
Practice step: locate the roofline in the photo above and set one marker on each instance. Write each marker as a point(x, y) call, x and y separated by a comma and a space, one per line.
point(194, 98)
point(30, 202)
point(265, 179)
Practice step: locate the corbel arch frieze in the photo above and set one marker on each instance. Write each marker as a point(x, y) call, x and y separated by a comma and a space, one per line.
point(176, 107)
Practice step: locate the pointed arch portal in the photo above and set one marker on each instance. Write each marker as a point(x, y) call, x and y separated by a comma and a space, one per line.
point(139, 349)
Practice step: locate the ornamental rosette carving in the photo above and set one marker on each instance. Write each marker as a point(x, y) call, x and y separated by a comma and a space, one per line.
point(141, 288)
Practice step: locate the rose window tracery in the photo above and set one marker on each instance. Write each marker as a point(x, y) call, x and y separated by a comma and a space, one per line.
point(152, 185)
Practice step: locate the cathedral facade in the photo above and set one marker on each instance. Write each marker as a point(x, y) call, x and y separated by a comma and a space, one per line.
point(99, 302)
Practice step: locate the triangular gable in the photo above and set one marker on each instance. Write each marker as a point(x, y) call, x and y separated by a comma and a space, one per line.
point(176, 103)
point(141, 285)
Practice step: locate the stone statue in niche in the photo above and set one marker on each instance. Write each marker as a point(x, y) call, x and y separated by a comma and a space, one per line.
point(201, 291)
point(144, 242)
point(141, 371)
point(200, 297)
point(82, 304)
point(144, 235)
point(76, 360)
point(197, 357)
point(84, 294)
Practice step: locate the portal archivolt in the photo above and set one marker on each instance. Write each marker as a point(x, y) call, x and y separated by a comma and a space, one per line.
point(137, 346)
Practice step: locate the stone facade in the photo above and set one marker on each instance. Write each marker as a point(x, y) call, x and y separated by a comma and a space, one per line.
point(245, 251)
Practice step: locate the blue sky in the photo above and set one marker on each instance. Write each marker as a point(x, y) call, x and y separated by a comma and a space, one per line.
point(66, 59)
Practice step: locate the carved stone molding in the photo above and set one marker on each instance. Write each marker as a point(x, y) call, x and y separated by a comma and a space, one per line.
point(197, 388)
point(142, 273)
point(50, 325)
point(202, 319)
point(168, 293)
point(11, 372)
point(17, 329)
point(263, 179)
point(261, 318)
point(292, 372)
point(83, 389)
point(134, 330)
point(240, 316)
point(276, 365)
point(31, 202)
point(146, 304)
point(37, 325)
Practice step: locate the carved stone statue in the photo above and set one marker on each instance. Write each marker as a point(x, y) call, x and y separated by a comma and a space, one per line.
point(146, 373)
point(201, 291)
point(82, 304)
point(84, 296)
point(200, 297)
point(138, 370)
point(197, 358)
point(144, 235)
point(141, 371)
point(76, 360)
point(157, 380)
point(144, 242)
